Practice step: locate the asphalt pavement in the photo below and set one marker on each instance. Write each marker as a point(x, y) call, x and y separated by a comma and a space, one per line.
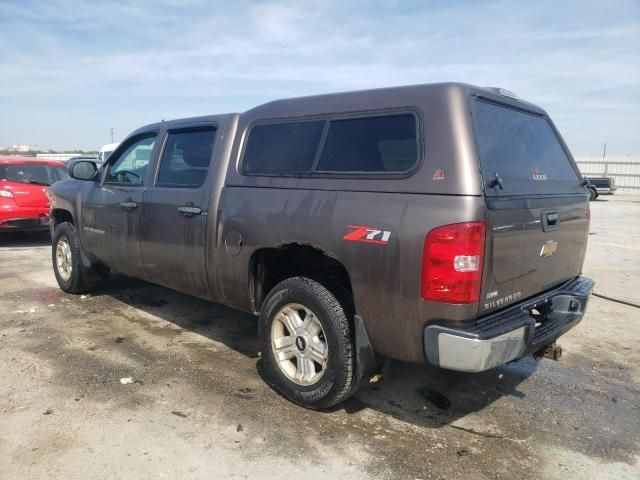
point(138, 381)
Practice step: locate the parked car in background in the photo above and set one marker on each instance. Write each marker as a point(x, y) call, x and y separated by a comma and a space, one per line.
point(443, 224)
point(603, 185)
point(24, 204)
point(592, 191)
point(106, 151)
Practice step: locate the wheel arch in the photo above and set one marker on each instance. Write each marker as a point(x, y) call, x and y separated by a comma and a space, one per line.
point(60, 215)
point(269, 266)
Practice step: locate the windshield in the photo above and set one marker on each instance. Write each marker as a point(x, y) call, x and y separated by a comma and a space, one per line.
point(32, 173)
point(520, 152)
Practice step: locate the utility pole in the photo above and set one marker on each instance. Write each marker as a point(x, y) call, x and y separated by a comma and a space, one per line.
point(111, 130)
point(604, 150)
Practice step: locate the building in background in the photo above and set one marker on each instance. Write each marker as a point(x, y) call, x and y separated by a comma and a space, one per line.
point(23, 147)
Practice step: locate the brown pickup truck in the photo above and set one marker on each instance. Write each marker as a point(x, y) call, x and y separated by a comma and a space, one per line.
point(440, 223)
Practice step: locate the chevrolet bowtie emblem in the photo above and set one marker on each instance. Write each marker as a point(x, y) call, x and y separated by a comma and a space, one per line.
point(549, 248)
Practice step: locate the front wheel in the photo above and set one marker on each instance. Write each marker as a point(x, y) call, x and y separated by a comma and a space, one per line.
point(71, 275)
point(307, 344)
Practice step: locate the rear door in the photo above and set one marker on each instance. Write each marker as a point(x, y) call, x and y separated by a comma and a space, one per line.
point(537, 210)
point(175, 211)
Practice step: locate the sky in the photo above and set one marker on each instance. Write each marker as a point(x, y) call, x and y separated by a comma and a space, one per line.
point(71, 70)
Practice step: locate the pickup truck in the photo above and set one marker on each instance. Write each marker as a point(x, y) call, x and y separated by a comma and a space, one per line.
point(603, 185)
point(443, 224)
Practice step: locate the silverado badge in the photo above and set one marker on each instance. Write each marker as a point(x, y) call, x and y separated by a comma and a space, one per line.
point(549, 248)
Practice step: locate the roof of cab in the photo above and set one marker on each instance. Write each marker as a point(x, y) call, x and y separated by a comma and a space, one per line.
point(177, 122)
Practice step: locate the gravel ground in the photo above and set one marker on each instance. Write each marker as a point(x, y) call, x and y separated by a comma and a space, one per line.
point(197, 406)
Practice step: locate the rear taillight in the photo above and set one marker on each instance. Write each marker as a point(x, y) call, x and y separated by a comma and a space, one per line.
point(452, 263)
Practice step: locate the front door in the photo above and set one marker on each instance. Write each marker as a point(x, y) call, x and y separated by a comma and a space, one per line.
point(175, 208)
point(112, 208)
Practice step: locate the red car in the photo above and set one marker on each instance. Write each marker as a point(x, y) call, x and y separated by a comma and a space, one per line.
point(24, 204)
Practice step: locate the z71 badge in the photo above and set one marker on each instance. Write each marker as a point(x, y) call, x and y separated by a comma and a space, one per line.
point(362, 233)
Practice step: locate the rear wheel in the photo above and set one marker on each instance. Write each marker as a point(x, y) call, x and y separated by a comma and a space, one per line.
point(593, 194)
point(307, 344)
point(71, 275)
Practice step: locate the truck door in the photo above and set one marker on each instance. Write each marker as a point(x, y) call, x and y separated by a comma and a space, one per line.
point(175, 209)
point(111, 209)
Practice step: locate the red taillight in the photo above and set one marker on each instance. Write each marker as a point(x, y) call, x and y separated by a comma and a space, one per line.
point(452, 263)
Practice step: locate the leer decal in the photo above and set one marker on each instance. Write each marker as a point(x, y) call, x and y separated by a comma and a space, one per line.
point(538, 175)
point(363, 233)
point(438, 175)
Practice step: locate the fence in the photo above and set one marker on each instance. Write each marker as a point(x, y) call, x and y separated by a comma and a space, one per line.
point(63, 157)
point(624, 169)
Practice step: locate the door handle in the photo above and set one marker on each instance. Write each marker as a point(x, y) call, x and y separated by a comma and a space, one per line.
point(189, 210)
point(550, 221)
point(128, 204)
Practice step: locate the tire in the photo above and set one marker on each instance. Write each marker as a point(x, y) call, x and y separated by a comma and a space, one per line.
point(66, 243)
point(593, 194)
point(301, 299)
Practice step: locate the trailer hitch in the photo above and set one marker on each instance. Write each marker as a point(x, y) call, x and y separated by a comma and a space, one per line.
point(553, 351)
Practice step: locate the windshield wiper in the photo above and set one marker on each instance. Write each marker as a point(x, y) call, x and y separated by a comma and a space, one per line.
point(38, 182)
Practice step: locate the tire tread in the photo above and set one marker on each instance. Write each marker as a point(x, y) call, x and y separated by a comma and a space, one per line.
point(346, 380)
point(80, 281)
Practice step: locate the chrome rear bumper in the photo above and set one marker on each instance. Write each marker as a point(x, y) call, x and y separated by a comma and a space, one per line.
point(511, 333)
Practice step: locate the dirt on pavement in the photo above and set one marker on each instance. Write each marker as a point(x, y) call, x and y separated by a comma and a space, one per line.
point(197, 407)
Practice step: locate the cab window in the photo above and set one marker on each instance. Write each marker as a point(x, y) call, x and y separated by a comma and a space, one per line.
point(186, 158)
point(131, 164)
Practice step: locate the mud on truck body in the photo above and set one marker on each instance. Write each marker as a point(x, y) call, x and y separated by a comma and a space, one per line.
point(439, 223)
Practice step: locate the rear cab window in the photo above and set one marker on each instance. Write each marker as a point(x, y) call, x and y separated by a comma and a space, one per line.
point(520, 152)
point(376, 144)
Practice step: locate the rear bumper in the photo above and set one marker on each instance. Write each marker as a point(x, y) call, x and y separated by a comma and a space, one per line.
point(14, 218)
point(606, 190)
point(510, 334)
point(24, 224)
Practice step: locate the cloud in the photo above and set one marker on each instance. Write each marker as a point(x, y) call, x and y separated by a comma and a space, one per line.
point(93, 65)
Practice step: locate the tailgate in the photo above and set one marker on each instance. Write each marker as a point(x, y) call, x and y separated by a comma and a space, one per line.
point(537, 209)
point(532, 245)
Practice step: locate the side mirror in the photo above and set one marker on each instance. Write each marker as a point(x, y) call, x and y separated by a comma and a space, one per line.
point(84, 170)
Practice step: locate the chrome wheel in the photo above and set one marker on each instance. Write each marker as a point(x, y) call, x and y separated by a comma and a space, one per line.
point(64, 261)
point(299, 344)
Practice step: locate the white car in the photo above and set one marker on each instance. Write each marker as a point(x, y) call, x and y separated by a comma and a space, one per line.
point(105, 151)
